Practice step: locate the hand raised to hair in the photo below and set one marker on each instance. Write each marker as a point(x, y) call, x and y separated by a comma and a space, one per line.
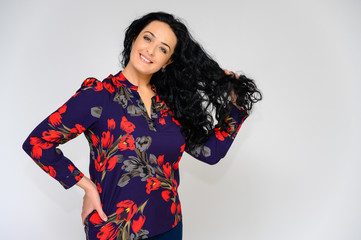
point(232, 93)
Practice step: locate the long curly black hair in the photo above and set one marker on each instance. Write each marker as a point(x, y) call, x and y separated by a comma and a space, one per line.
point(194, 85)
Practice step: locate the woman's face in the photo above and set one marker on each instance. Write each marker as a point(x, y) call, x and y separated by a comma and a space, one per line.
point(152, 49)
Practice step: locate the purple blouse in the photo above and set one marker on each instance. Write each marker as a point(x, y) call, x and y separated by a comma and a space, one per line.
point(134, 158)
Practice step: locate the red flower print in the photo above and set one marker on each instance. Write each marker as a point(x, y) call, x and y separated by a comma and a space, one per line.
point(160, 160)
point(176, 164)
point(46, 145)
point(108, 232)
point(95, 140)
point(79, 177)
point(176, 122)
point(76, 94)
point(179, 209)
point(164, 112)
point(176, 222)
point(62, 109)
point(174, 187)
point(111, 124)
point(50, 170)
point(74, 132)
point(120, 77)
point(35, 141)
point(99, 86)
point(167, 170)
point(173, 208)
point(118, 80)
point(126, 142)
point(162, 121)
point(52, 136)
point(126, 210)
point(95, 218)
point(135, 88)
point(99, 188)
point(37, 152)
point(39, 145)
point(220, 134)
point(108, 87)
point(152, 184)
point(111, 163)
point(107, 139)
point(166, 195)
point(182, 148)
point(126, 126)
point(88, 82)
point(100, 162)
point(55, 119)
point(71, 168)
point(80, 128)
point(138, 224)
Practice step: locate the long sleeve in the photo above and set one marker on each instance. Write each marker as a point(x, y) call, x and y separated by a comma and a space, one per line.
point(217, 146)
point(79, 113)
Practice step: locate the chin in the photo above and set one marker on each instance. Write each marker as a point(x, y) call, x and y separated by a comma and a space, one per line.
point(146, 71)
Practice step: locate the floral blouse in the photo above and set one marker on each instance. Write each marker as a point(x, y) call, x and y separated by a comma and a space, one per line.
point(134, 158)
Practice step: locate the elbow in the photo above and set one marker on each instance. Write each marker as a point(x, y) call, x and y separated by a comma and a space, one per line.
point(26, 146)
point(213, 161)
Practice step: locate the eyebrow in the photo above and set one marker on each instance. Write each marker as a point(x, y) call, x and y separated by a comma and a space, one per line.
point(156, 37)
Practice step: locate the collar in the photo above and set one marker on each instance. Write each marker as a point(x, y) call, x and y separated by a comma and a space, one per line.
point(119, 80)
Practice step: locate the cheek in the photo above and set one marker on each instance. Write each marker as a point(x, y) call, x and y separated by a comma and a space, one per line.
point(164, 60)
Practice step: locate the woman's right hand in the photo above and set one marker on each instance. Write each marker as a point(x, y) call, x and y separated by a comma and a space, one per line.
point(91, 199)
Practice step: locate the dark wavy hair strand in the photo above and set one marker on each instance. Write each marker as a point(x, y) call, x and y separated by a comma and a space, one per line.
point(194, 85)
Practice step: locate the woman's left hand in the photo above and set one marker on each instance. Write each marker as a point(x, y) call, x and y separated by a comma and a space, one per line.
point(230, 73)
point(232, 93)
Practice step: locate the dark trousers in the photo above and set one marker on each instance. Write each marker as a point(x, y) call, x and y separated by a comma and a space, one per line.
point(174, 234)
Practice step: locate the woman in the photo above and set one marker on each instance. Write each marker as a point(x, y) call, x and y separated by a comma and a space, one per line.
point(138, 124)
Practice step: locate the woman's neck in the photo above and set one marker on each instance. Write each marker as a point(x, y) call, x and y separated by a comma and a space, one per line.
point(136, 78)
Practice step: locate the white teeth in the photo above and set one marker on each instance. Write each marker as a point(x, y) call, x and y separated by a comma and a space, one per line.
point(145, 59)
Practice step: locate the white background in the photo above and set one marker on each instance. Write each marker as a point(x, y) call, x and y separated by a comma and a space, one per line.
point(294, 169)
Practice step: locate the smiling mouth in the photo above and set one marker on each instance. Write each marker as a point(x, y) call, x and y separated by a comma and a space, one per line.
point(146, 60)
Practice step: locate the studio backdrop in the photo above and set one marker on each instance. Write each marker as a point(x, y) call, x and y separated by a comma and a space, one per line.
point(293, 171)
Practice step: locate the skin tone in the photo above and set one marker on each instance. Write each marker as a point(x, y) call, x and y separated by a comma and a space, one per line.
point(151, 51)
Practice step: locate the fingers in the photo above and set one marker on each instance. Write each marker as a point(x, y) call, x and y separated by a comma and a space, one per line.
point(91, 202)
point(102, 215)
point(230, 73)
point(233, 97)
point(227, 71)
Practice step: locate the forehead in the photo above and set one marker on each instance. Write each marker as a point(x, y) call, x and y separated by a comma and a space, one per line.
point(162, 31)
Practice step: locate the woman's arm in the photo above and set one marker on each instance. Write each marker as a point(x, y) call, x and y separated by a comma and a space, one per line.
point(217, 146)
point(91, 199)
point(79, 113)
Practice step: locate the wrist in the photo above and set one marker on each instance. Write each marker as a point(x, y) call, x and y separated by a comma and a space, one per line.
point(86, 184)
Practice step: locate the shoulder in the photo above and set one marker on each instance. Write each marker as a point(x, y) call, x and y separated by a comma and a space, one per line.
point(94, 91)
point(91, 84)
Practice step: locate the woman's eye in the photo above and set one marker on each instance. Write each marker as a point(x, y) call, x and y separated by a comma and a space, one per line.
point(146, 38)
point(163, 50)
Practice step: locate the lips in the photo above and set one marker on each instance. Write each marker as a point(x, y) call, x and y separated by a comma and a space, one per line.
point(144, 59)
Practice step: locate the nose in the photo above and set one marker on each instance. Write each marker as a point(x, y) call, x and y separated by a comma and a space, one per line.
point(151, 49)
